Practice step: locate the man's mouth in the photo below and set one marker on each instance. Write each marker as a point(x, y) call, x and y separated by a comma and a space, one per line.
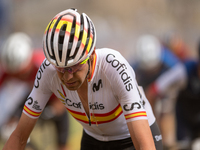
point(70, 83)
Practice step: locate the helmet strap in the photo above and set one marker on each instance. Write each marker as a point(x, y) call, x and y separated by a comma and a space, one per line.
point(88, 68)
point(90, 58)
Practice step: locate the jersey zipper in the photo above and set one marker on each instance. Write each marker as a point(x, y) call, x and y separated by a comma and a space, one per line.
point(89, 121)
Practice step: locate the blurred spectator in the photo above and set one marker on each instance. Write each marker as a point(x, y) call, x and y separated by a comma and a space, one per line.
point(161, 74)
point(187, 105)
point(175, 43)
point(157, 67)
point(19, 65)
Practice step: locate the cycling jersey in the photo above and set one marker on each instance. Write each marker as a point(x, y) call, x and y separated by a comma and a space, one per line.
point(114, 97)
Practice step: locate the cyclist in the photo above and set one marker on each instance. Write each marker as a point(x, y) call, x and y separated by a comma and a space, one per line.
point(161, 74)
point(97, 87)
point(157, 68)
point(175, 43)
point(19, 63)
point(187, 104)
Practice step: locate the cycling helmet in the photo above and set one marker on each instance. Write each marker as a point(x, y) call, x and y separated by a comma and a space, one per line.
point(69, 38)
point(16, 52)
point(148, 52)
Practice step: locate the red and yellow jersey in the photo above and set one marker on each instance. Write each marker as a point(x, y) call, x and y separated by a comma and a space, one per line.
point(114, 98)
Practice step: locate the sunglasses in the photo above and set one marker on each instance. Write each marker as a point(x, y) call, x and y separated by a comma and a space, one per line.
point(72, 69)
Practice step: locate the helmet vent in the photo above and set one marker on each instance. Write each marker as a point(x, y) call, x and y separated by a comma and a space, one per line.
point(88, 37)
point(62, 34)
point(71, 39)
point(81, 29)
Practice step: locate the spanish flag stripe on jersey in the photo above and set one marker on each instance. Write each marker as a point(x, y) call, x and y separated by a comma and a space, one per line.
point(61, 94)
point(63, 101)
point(118, 108)
point(134, 115)
point(63, 90)
point(99, 118)
point(71, 111)
point(99, 121)
point(95, 121)
point(32, 113)
point(82, 120)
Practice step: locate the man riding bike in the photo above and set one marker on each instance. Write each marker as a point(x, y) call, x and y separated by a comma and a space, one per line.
point(97, 87)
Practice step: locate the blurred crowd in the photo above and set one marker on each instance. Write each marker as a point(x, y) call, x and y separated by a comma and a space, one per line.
point(171, 80)
point(164, 67)
point(20, 65)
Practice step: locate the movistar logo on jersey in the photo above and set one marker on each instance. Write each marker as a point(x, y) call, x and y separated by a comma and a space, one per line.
point(97, 87)
point(121, 68)
point(39, 73)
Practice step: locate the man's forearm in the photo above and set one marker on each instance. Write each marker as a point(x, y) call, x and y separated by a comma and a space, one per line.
point(15, 143)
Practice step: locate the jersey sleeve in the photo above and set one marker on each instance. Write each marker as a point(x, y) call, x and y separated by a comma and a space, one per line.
point(40, 93)
point(122, 78)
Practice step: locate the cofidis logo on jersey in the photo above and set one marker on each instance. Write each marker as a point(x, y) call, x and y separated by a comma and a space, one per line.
point(39, 73)
point(70, 103)
point(121, 68)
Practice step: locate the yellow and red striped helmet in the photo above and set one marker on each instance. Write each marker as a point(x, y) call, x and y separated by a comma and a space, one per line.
point(69, 38)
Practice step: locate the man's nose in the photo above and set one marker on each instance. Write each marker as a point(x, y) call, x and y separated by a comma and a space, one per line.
point(67, 76)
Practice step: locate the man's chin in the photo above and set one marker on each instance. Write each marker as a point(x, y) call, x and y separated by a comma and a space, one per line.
point(72, 88)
